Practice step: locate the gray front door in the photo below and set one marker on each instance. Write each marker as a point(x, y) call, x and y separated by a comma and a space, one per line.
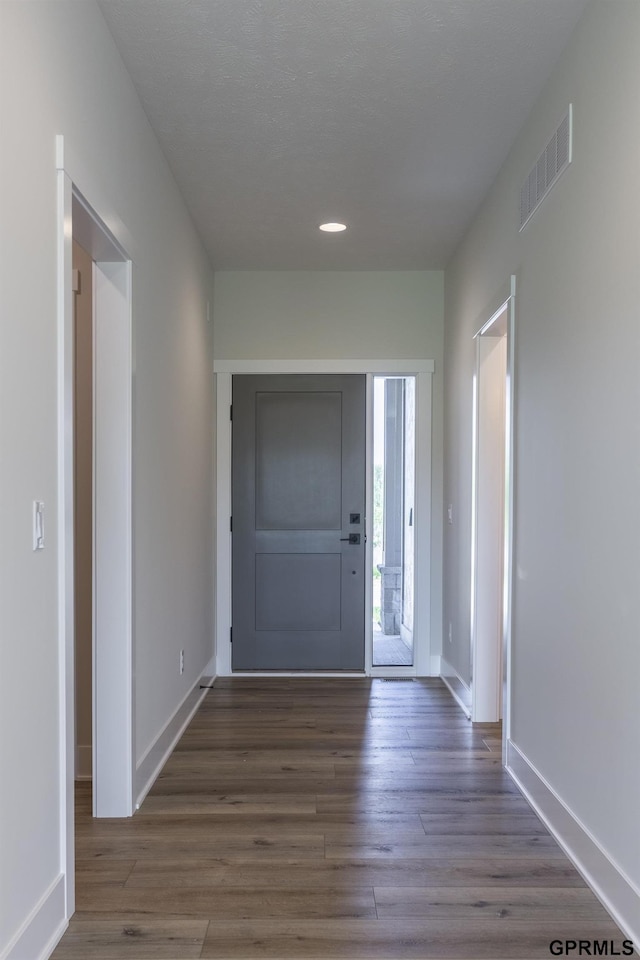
point(298, 500)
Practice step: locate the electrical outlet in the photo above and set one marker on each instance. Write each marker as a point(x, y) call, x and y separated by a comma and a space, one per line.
point(450, 513)
point(182, 662)
point(450, 640)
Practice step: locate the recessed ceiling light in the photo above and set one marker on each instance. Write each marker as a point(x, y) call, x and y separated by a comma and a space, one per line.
point(333, 227)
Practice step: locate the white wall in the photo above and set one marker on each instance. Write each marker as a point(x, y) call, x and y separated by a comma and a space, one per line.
point(576, 655)
point(293, 315)
point(60, 74)
point(288, 315)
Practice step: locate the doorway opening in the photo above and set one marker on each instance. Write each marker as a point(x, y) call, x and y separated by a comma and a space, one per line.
point(95, 522)
point(100, 534)
point(83, 514)
point(424, 663)
point(490, 520)
point(394, 457)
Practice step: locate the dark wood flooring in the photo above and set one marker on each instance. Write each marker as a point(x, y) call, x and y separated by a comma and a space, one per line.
point(328, 819)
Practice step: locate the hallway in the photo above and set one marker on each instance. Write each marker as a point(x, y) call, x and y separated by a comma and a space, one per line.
point(320, 818)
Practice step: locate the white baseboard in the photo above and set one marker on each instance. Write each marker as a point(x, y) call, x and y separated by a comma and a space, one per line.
point(41, 931)
point(150, 765)
point(84, 768)
point(446, 670)
point(617, 893)
point(452, 680)
point(210, 669)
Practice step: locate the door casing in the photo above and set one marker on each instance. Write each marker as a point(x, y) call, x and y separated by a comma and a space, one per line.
point(487, 608)
point(425, 662)
point(113, 738)
point(502, 659)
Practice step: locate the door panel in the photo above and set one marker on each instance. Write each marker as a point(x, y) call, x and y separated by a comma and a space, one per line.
point(298, 474)
point(298, 461)
point(298, 591)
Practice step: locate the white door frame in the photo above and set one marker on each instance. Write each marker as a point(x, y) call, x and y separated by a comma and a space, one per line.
point(487, 684)
point(423, 371)
point(112, 739)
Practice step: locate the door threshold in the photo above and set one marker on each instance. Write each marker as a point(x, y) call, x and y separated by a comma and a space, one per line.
point(391, 672)
point(318, 674)
point(376, 673)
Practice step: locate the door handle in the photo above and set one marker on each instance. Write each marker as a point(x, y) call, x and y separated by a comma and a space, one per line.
point(353, 538)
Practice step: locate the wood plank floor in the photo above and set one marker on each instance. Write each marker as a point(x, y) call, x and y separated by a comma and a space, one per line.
point(327, 819)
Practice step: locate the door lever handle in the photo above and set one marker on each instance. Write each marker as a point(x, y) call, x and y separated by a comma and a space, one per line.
point(353, 538)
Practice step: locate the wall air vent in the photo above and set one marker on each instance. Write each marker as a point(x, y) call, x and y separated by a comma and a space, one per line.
point(553, 161)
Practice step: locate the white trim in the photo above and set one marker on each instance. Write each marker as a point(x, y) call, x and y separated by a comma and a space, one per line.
point(486, 327)
point(150, 765)
point(423, 507)
point(509, 526)
point(86, 185)
point(449, 673)
point(422, 370)
point(616, 891)
point(390, 367)
point(452, 690)
point(392, 671)
point(113, 728)
point(487, 569)
point(38, 935)
point(506, 301)
point(65, 508)
point(368, 515)
point(222, 617)
point(209, 671)
point(68, 196)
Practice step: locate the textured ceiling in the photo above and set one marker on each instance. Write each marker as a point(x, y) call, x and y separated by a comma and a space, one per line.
point(391, 115)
